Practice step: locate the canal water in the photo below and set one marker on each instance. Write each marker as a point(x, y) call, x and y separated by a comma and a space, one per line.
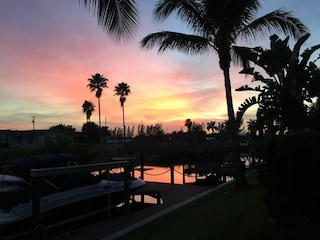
point(167, 174)
point(163, 174)
point(172, 175)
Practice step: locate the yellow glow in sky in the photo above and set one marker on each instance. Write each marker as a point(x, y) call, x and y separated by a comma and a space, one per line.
point(50, 48)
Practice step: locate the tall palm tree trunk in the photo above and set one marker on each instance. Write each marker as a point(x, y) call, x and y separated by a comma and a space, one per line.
point(124, 126)
point(100, 140)
point(99, 113)
point(240, 180)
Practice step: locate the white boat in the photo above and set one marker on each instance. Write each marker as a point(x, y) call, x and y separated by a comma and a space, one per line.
point(76, 191)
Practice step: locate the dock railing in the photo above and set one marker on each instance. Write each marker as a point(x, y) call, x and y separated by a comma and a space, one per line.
point(37, 174)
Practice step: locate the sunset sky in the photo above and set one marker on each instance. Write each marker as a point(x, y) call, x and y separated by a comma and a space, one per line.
point(48, 50)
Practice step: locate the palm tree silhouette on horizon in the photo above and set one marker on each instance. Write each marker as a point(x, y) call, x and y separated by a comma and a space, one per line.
point(212, 126)
point(188, 124)
point(96, 83)
point(88, 108)
point(122, 90)
point(217, 25)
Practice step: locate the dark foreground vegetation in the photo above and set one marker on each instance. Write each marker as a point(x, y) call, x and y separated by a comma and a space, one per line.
point(289, 175)
point(222, 214)
point(281, 202)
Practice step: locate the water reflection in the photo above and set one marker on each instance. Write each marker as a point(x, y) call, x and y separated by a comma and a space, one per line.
point(163, 174)
point(175, 174)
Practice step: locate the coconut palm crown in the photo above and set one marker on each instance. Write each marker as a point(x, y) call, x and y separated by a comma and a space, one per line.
point(218, 25)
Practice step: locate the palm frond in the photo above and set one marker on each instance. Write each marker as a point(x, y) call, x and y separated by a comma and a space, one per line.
point(122, 89)
point(243, 56)
point(232, 14)
point(307, 54)
point(117, 17)
point(244, 88)
point(279, 21)
point(189, 44)
point(190, 12)
point(165, 8)
point(297, 47)
point(244, 107)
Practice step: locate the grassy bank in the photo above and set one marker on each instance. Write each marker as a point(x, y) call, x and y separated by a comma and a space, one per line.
point(222, 214)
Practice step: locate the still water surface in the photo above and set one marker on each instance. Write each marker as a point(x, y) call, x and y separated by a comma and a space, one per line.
point(163, 174)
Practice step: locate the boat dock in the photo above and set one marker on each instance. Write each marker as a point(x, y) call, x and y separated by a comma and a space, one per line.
point(172, 195)
point(101, 225)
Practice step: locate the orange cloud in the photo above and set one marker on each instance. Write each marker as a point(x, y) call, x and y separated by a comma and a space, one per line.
point(50, 48)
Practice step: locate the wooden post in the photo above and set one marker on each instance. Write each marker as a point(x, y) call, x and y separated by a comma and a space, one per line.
point(109, 196)
point(172, 174)
point(142, 172)
point(142, 165)
point(158, 198)
point(127, 189)
point(183, 175)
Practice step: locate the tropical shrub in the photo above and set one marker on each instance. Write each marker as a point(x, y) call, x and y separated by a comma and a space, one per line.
point(289, 175)
point(290, 85)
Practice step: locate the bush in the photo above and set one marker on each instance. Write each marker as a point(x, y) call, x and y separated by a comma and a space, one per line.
point(288, 174)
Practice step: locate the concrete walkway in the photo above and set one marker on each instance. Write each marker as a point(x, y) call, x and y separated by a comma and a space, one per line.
point(174, 196)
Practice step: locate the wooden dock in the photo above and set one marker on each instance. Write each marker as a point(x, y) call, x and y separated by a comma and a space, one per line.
point(173, 195)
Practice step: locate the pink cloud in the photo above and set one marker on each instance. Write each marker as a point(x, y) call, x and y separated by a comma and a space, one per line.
point(50, 48)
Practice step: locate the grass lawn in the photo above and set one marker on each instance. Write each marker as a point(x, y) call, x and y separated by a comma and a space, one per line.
point(222, 214)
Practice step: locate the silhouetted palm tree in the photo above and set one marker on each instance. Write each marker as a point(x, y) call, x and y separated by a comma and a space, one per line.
point(88, 108)
point(96, 83)
point(252, 127)
point(212, 126)
point(217, 26)
point(188, 124)
point(122, 90)
point(117, 17)
point(222, 127)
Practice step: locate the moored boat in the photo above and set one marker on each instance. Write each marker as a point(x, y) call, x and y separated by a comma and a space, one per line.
point(76, 191)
